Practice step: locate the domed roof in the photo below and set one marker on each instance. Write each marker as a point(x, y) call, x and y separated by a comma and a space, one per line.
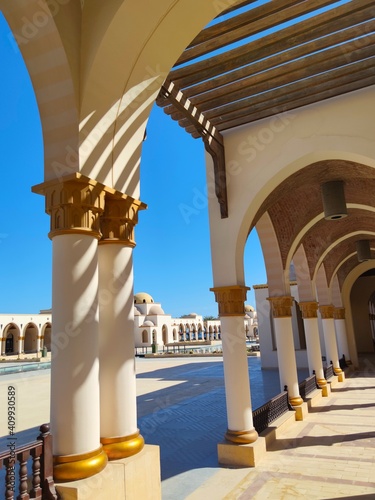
point(249, 308)
point(148, 323)
point(143, 298)
point(154, 310)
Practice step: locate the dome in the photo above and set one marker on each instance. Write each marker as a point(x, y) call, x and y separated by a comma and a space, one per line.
point(155, 310)
point(249, 308)
point(143, 298)
point(148, 323)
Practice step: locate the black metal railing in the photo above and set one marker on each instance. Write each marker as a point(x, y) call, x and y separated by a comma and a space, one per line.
point(308, 386)
point(270, 411)
point(29, 468)
point(328, 372)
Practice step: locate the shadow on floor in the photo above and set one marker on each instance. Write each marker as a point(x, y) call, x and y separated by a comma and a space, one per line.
point(301, 442)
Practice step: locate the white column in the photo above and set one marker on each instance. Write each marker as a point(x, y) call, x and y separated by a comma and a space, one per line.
point(236, 372)
point(328, 323)
point(75, 365)
point(314, 354)
point(341, 336)
point(282, 317)
point(118, 399)
point(74, 204)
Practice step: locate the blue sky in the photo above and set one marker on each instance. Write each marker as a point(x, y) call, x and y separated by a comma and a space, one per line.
point(172, 256)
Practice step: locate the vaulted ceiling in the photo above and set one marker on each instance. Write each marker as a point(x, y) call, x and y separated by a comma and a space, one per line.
point(258, 59)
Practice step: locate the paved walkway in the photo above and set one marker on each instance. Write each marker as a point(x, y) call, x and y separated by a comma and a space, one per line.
point(331, 454)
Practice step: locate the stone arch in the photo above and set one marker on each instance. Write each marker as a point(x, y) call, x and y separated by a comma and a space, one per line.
point(30, 334)
point(47, 336)
point(164, 332)
point(11, 344)
point(145, 337)
point(277, 284)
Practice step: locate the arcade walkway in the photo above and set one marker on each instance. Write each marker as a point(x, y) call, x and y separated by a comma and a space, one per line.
point(331, 454)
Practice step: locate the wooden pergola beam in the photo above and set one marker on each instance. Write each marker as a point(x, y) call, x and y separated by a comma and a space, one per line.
point(212, 139)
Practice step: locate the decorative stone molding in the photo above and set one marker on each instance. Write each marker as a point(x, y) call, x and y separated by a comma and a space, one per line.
point(231, 299)
point(339, 313)
point(327, 312)
point(74, 203)
point(309, 309)
point(281, 306)
point(119, 219)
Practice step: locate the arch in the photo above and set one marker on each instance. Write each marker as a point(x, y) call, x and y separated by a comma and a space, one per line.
point(30, 335)
point(11, 344)
point(277, 284)
point(46, 334)
point(165, 334)
point(174, 334)
point(145, 337)
point(119, 86)
point(60, 92)
point(345, 293)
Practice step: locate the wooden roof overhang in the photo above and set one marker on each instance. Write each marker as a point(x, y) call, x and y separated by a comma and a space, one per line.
point(256, 61)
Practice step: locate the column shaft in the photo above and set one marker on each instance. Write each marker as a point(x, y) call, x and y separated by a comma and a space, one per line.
point(238, 398)
point(236, 373)
point(282, 317)
point(314, 354)
point(118, 409)
point(75, 366)
point(329, 332)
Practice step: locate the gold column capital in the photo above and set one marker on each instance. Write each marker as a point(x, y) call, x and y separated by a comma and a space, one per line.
point(281, 306)
point(309, 309)
point(339, 313)
point(231, 299)
point(74, 203)
point(327, 311)
point(119, 218)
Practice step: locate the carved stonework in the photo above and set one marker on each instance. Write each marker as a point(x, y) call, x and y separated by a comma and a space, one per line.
point(339, 313)
point(327, 312)
point(231, 299)
point(281, 306)
point(119, 219)
point(74, 203)
point(309, 309)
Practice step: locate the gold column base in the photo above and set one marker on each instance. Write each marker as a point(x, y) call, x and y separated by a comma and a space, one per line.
point(80, 466)
point(321, 382)
point(123, 447)
point(337, 370)
point(297, 401)
point(241, 437)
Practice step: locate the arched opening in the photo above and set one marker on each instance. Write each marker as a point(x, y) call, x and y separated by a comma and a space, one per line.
point(9, 344)
point(145, 339)
point(47, 331)
point(30, 338)
point(11, 335)
point(165, 335)
point(362, 300)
